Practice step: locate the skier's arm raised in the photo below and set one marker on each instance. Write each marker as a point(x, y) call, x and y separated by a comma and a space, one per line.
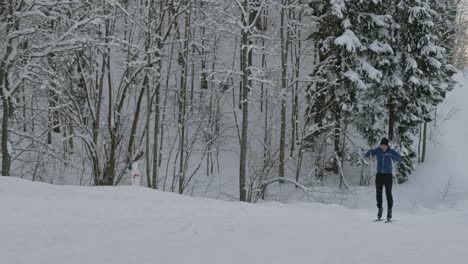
point(396, 156)
point(369, 153)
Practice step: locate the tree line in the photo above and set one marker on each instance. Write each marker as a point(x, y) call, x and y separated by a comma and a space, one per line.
point(188, 88)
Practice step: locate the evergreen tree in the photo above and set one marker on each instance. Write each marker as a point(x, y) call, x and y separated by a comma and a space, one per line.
point(375, 109)
point(383, 63)
point(425, 72)
point(353, 42)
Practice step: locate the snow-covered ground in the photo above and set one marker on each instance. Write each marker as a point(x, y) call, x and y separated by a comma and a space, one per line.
point(42, 223)
point(49, 224)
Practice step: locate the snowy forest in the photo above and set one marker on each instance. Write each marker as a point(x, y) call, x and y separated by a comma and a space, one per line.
point(222, 98)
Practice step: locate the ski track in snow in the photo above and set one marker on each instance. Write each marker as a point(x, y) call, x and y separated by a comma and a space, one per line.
point(42, 223)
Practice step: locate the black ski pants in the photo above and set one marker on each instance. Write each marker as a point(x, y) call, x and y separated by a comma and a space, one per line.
point(382, 180)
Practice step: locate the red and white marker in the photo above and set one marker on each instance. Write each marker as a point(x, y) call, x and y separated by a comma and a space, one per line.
point(135, 175)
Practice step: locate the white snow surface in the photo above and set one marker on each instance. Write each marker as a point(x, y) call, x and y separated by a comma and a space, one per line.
point(42, 223)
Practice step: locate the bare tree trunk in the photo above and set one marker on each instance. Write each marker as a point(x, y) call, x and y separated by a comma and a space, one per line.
point(391, 120)
point(284, 79)
point(263, 92)
point(419, 143)
point(156, 130)
point(183, 105)
point(295, 96)
point(244, 102)
point(423, 157)
point(336, 138)
point(113, 122)
point(157, 106)
point(6, 158)
point(264, 106)
point(71, 132)
point(96, 124)
point(163, 118)
point(24, 111)
point(112, 127)
point(341, 158)
point(147, 139)
point(148, 96)
point(4, 65)
point(50, 119)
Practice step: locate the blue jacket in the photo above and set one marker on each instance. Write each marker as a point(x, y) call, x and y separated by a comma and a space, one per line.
point(384, 159)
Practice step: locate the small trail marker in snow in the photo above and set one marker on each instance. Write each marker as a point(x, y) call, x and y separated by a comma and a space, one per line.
point(135, 175)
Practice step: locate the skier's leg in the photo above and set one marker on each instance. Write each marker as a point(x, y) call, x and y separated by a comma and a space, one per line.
point(388, 190)
point(379, 188)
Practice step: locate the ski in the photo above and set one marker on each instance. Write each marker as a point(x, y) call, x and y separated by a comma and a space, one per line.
point(384, 221)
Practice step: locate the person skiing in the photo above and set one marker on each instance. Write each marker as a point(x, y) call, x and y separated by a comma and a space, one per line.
point(384, 176)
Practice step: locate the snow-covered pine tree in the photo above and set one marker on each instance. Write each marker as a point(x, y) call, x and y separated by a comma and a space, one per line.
point(424, 68)
point(375, 105)
point(352, 41)
point(446, 31)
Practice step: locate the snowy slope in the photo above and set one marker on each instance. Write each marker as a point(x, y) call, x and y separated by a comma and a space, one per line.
point(49, 224)
point(42, 223)
point(443, 179)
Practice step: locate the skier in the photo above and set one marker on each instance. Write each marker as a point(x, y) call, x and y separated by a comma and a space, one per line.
point(384, 176)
